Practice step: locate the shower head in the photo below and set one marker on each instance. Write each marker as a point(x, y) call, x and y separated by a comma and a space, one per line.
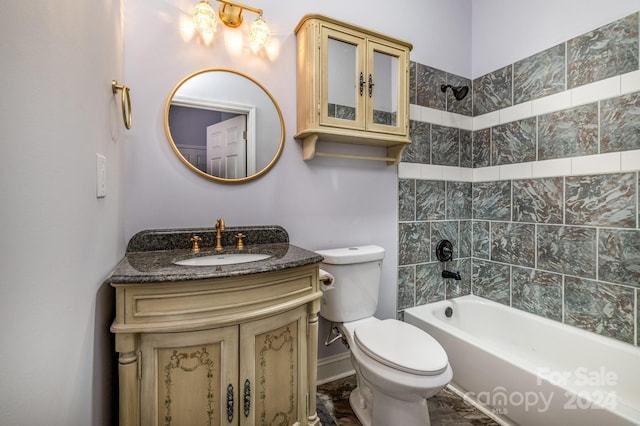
point(459, 92)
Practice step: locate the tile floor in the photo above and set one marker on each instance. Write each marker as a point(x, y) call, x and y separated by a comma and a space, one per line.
point(445, 408)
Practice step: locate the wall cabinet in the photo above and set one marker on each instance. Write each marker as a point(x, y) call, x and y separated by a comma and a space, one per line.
point(352, 87)
point(229, 351)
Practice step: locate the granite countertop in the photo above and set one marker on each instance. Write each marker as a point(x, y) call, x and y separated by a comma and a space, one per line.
point(150, 255)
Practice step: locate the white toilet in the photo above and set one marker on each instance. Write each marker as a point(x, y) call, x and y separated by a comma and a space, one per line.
point(398, 366)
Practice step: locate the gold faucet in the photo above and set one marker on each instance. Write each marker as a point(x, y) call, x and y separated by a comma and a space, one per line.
point(195, 244)
point(219, 229)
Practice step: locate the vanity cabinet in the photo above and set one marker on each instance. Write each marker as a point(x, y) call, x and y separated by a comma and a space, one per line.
point(225, 351)
point(352, 87)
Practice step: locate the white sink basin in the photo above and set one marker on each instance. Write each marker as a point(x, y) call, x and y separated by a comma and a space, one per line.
point(222, 259)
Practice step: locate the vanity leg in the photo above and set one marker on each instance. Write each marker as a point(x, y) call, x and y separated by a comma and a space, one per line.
point(312, 362)
point(128, 367)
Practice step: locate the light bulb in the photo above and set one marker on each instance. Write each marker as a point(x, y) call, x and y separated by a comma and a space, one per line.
point(204, 18)
point(259, 34)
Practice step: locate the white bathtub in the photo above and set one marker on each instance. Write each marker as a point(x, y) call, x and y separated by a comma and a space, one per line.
point(529, 370)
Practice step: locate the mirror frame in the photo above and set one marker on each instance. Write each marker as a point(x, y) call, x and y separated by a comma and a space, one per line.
point(194, 168)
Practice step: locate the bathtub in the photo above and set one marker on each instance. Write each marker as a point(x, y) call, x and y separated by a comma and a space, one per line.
point(524, 369)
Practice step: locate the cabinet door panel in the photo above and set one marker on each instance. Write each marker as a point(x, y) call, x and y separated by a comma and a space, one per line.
point(186, 376)
point(387, 88)
point(344, 64)
point(273, 358)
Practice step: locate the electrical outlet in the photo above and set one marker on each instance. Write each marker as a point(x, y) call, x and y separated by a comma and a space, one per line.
point(101, 176)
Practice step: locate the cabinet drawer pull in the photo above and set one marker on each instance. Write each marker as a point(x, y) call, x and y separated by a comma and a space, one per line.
point(247, 397)
point(230, 403)
point(362, 83)
point(371, 85)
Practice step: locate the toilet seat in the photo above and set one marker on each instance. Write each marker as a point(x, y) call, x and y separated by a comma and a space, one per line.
point(401, 346)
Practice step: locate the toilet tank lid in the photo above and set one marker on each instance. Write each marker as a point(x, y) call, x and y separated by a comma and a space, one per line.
point(356, 254)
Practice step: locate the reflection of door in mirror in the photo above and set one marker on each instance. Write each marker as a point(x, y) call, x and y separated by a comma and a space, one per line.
point(226, 148)
point(233, 154)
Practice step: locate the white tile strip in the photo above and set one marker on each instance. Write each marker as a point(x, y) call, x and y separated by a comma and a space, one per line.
point(601, 163)
point(590, 164)
point(551, 103)
point(516, 112)
point(549, 168)
point(515, 171)
point(614, 162)
point(630, 160)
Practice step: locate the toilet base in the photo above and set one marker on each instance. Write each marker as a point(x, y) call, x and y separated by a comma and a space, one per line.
point(394, 412)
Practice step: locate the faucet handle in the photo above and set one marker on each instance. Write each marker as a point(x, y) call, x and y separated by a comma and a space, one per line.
point(195, 244)
point(240, 242)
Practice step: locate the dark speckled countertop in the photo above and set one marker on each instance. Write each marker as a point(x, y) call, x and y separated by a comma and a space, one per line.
point(150, 255)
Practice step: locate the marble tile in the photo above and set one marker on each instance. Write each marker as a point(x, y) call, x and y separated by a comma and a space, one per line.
point(481, 241)
point(538, 200)
point(492, 91)
point(466, 148)
point(514, 142)
point(513, 243)
point(604, 200)
point(413, 90)
point(458, 200)
point(445, 230)
point(445, 145)
point(492, 281)
point(537, 292)
point(567, 250)
point(414, 244)
point(428, 82)
point(406, 199)
point(445, 407)
point(459, 106)
point(619, 256)
point(466, 229)
point(419, 150)
point(492, 200)
point(604, 52)
point(455, 288)
point(606, 309)
point(345, 112)
point(430, 200)
point(430, 286)
point(539, 75)
point(620, 123)
point(482, 148)
point(385, 117)
point(568, 133)
point(406, 287)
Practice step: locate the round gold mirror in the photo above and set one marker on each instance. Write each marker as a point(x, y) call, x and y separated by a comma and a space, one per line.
point(224, 125)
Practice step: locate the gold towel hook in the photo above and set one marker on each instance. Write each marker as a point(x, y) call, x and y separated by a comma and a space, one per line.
point(126, 98)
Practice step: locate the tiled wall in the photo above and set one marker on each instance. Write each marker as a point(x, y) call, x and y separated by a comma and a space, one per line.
point(538, 190)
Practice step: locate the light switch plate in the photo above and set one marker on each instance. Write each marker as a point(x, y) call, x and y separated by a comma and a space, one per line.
point(101, 176)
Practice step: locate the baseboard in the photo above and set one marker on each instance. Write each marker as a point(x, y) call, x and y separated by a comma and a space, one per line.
point(334, 367)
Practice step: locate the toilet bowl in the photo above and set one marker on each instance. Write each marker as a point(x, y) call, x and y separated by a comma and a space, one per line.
point(398, 366)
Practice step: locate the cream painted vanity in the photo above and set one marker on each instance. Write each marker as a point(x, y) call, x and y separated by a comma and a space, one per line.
point(216, 345)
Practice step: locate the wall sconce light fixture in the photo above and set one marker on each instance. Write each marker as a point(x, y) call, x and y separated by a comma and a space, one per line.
point(230, 14)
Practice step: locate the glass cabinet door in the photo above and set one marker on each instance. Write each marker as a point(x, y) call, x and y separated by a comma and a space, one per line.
point(386, 89)
point(343, 80)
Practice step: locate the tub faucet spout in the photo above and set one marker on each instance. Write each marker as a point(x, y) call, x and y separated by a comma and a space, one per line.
point(449, 274)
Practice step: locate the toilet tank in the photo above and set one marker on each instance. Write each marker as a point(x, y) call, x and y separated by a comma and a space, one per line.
point(354, 292)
